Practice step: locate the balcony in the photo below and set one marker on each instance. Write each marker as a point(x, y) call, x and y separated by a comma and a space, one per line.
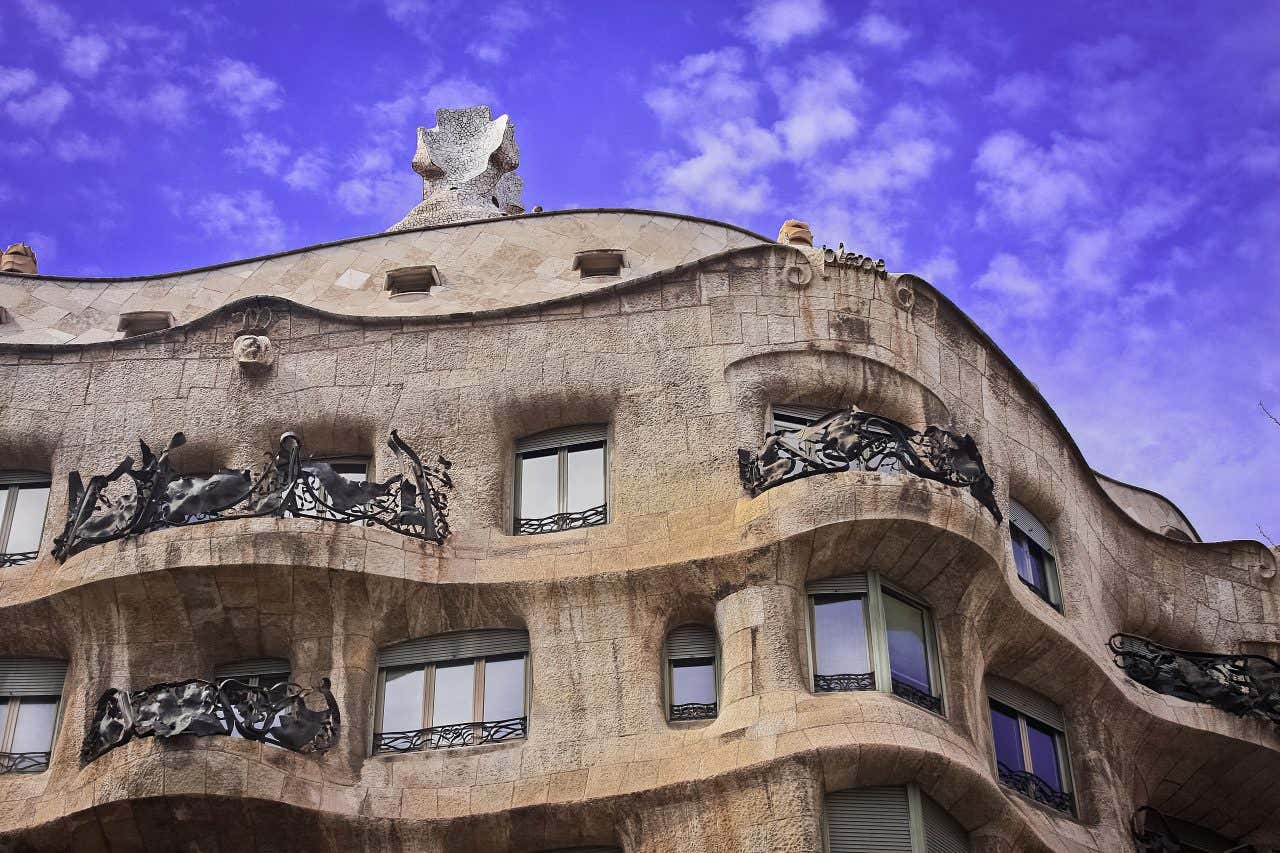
point(687, 711)
point(133, 500)
point(446, 737)
point(23, 762)
point(1032, 786)
point(563, 521)
point(853, 440)
point(1244, 685)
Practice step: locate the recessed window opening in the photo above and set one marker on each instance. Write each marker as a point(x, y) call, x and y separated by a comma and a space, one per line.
point(30, 705)
point(352, 470)
point(793, 417)
point(692, 673)
point(1033, 554)
point(134, 323)
point(452, 690)
point(267, 673)
point(599, 262)
point(417, 279)
point(889, 819)
point(561, 480)
point(1030, 745)
point(24, 499)
point(867, 635)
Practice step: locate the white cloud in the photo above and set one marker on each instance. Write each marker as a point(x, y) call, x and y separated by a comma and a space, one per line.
point(501, 28)
point(941, 68)
point(774, 23)
point(817, 105)
point(79, 146)
point(704, 88)
point(48, 18)
point(83, 55)
point(244, 91)
point(1090, 262)
point(1020, 93)
point(941, 270)
point(166, 104)
point(310, 171)
point(1027, 184)
point(15, 81)
point(876, 29)
point(724, 172)
point(41, 109)
point(247, 221)
point(892, 168)
point(379, 194)
point(258, 151)
point(1018, 291)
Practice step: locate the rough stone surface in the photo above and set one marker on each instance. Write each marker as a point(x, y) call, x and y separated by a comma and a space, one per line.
point(682, 364)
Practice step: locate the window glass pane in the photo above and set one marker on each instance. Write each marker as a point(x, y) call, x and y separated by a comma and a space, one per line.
point(402, 700)
point(454, 699)
point(539, 485)
point(586, 477)
point(34, 732)
point(908, 650)
point(1044, 754)
point(503, 688)
point(352, 472)
point(1029, 560)
point(28, 519)
point(693, 680)
point(840, 634)
point(1008, 740)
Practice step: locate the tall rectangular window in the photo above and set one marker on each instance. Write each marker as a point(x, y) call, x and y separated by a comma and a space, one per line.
point(561, 480)
point(841, 657)
point(907, 634)
point(30, 700)
point(692, 681)
point(23, 501)
point(259, 672)
point(1030, 744)
point(1033, 554)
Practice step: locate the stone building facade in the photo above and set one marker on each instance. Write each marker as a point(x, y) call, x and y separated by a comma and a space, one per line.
point(696, 575)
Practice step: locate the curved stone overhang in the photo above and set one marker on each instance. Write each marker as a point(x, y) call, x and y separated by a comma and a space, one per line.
point(1158, 515)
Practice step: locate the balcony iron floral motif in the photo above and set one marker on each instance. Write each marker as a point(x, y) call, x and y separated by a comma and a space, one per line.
point(17, 558)
point(844, 682)
point(1031, 785)
point(693, 711)
point(457, 734)
point(281, 715)
point(916, 696)
point(1246, 685)
point(563, 521)
point(23, 762)
point(1152, 833)
point(154, 496)
point(850, 439)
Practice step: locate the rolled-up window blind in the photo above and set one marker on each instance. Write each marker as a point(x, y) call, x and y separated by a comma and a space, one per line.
point(251, 666)
point(942, 832)
point(1023, 519)
point(691, 641)
point(1027, 701)
point(563, 437)
point(846, 585)
point(868, 820)
point(458, 645)
point(32, 676)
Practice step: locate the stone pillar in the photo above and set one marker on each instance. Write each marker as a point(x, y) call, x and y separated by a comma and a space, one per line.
point(759, 642)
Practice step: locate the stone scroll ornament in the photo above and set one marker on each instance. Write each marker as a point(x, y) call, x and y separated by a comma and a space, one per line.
point(853, 440)
point(284, 714)
point(1245, 685)
point(134, 499)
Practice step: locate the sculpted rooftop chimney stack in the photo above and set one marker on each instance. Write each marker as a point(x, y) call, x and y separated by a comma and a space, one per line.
point(19, 258)
point(467, 163)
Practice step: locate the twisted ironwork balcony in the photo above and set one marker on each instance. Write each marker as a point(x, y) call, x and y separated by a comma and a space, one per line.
point(281, 714)
point(446, 737)
point(853, 440)
point(917, 696)
point(1245, 685)
point(1031, 785)
point(1152, 833)
point(23, 762)
point(17, 558)
point(563, 521)
point(134, 500)
point(844, 681)
point(693, 711)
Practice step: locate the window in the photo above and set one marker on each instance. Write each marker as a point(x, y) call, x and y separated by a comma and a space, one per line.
point(134, 323)
point(692, 673)
point(458, 689)
point(1033, 554)
point(866, 635)
point(794, 417)
point(599, 262)
point(1027, 732)
point(889, 819)
point(561, 480)
point(30, 700)
point(256, 672)
point(350, 469)
point(418, 279)
point(23, 500)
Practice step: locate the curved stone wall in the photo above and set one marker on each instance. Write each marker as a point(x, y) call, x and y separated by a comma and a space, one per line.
point(682, 366)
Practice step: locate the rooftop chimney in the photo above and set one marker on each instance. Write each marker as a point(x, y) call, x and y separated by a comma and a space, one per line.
point(19, 258)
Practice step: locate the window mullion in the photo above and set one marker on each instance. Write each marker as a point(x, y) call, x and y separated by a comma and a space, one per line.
point(477, 691)
point(6, 522)
point(429, 691)
point(562, 480)
point(878, 641)
point(11, 715)
point(1026, 744)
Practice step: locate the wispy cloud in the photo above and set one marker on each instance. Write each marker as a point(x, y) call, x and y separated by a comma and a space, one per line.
point(244, 91)
point(243, 223)
point(775, 23)
point(42, 108)
point(877, 29)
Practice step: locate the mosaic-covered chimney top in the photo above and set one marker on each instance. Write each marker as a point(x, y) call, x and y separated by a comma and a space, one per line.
point(467, 162)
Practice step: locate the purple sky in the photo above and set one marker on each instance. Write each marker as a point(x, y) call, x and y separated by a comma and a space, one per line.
point(1096, 186)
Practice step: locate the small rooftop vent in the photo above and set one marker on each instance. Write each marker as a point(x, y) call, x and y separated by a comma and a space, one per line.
point(19, 258)
point(599, 262)
point(134, 323)
point(419, 279)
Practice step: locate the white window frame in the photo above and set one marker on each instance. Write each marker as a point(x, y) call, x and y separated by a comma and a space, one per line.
point(1043, 540)
point(12, 482)
point(878, 638)
point(1060, 743)
point(668, 688)
point(562, 441)
point(13, 698)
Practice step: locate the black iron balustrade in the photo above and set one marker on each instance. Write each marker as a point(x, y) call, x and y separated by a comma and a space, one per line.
point(154, 496)
point(853, 440)
point(1152, 833)
point(1030, 785)
point(456, 734)
point(281, 714)
point(1246, 685)
point(17, 558)
point(693, 711)
point(563, 521)
point(23, 762)
point(917, 696)
point(844, 681)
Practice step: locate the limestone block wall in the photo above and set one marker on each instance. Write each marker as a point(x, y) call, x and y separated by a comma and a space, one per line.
point(682, 365)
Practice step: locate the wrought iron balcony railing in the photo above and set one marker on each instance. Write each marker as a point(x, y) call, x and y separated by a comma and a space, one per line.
point(134, 500)
point(693, 711)
point(281, 715)
point(445, 737)
point(17, 558)
point(917, 696)
point(23, 762)
point(563, 521)
point(1152, 833)
point(853, 440)
point(1246, 685)
point(844, 681)
point(1031, 785)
